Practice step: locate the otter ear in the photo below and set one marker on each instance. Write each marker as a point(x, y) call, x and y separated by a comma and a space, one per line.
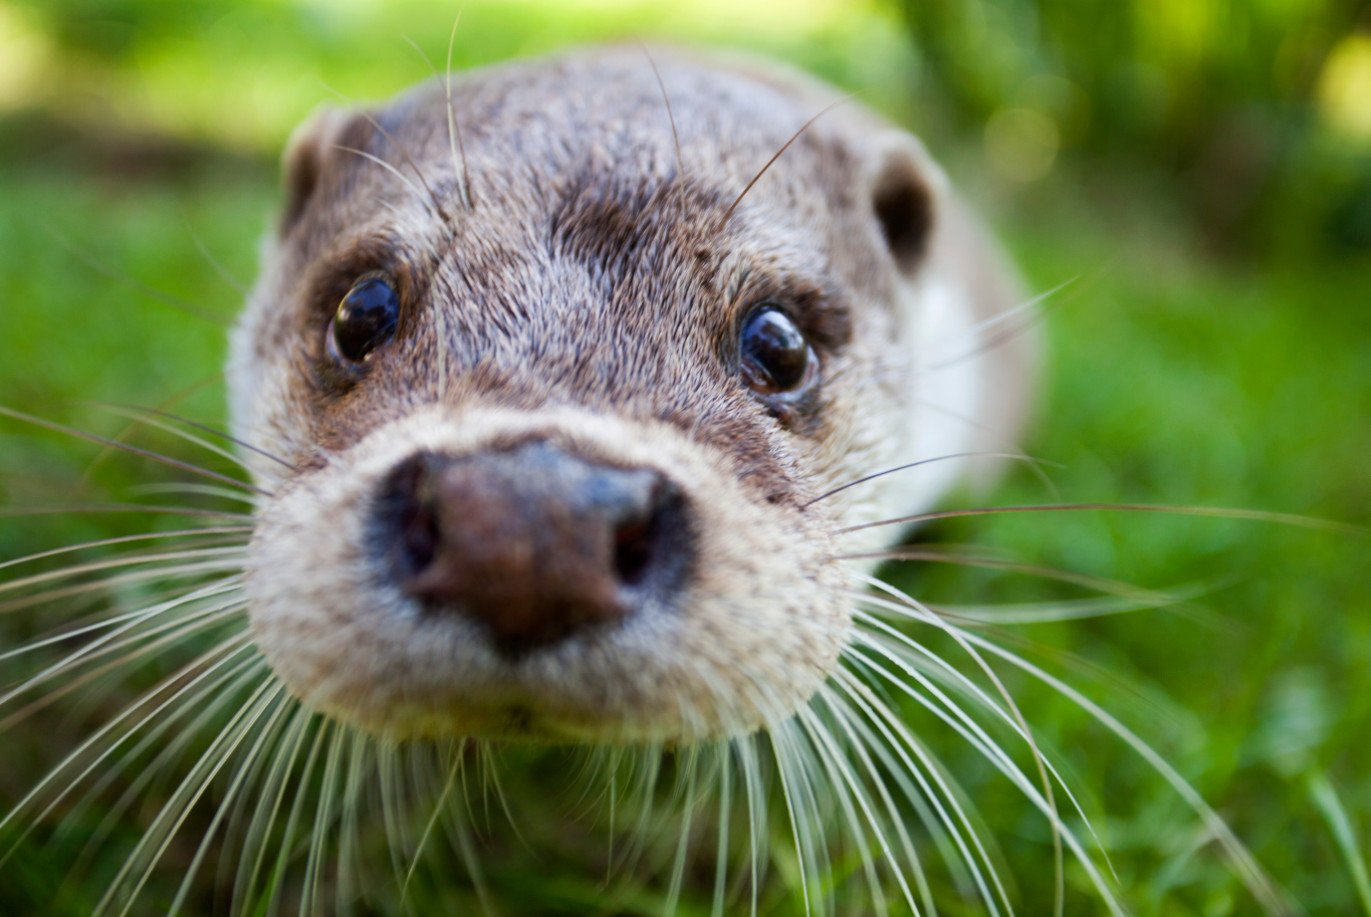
point(307, 150)
point(902, 200)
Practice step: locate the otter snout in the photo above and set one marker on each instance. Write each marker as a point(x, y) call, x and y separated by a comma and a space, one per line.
point(533, 542)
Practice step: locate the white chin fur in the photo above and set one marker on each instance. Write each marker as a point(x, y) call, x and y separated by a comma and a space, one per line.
point(757, 627)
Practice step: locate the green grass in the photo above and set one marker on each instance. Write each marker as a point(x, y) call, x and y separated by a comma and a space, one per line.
point(1172, 380)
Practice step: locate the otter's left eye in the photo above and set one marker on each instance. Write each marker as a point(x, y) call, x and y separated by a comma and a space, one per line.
point(776, 357)
point(366, 319)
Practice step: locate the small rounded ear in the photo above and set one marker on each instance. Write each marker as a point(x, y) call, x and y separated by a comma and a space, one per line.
point(303, 162)
point(902, 201)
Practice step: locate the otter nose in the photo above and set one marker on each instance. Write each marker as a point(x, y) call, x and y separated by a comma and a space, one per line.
point(532, 541)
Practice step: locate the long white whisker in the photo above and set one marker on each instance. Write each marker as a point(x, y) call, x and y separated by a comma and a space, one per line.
point(964, 725)
point(842, 716)
point(907, 466)
point(932, 786)
point(1262, 887)
point(270, 796)
point(157, 457)
point(848, 791)
point(154, 419)
point(1024, 731)
point(192, 489)
point(190, 792)
point(232, 564)
point(228, 650)
point(282, 706)
point(287, 842)
point(125, 539)
point(323, 816)
point(91, 648)
point(1015, 320)
point(127, 560)
point(414, 189)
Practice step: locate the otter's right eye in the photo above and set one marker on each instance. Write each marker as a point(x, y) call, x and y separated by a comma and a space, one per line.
point(366, 319)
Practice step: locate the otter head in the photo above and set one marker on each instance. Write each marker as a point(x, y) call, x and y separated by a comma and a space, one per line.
point(545, 409)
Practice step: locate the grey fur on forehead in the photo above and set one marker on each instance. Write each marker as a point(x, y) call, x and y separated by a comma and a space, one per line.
point(526, 127)
point(604, 104)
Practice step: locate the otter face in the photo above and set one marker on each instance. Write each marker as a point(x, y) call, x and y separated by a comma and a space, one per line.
point(549, 416)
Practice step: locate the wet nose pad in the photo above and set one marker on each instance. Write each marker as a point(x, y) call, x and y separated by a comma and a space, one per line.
point(535, 543)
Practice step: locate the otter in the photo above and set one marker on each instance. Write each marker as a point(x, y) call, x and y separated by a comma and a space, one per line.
point(578, 397)
point(556, 399)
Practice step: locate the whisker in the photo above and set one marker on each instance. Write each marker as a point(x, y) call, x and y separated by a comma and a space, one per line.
point(189, 793)
point(803, 806)
point(456, 148)
point(135, 412)
point(138, 616)
point(227, 650)
point(133, 450)
point(180, 571)
point(757, 838)
point(723, 814)
point(435, 203)
point(115, 508)
point(323, 817)
point(176, 397)
point(687, 808)
point(270, 795)
point(1021, 613)
point(1015, 456)
point(234, 793)
point(215, 264)
point(1251, 515)
point(849, 791)
point(120, 664)
point(123, 539)
point(349, 830)
point(1024, 729)
point(150, 293)
point(126, 560)
point(1100, 584)
point(438, 809)
point(960, 682)
point(920, 779)
point(193, 490)
point(1253, 877)
point(1258, 883)
point(1016, 319)
point(670, 116)
point(199, 702)
point(847, 721)
point(728, 214)
point(453, 126)
point(287, 842)
point(86, 651)
point(416, 190)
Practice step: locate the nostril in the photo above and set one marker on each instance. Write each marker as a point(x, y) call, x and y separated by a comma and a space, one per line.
point(632, 551)
point(410, 502)
point(647, 541)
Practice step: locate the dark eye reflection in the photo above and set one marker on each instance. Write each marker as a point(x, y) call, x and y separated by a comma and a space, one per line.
point(366, 319)
point(776, 357)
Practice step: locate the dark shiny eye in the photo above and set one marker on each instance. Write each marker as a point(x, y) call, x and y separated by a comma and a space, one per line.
point(776, 357)
point(366, 319)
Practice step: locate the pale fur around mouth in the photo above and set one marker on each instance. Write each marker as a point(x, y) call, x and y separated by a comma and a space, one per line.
point(349, 643)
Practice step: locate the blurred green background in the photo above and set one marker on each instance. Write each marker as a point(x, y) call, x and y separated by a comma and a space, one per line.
point(1198, 174)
